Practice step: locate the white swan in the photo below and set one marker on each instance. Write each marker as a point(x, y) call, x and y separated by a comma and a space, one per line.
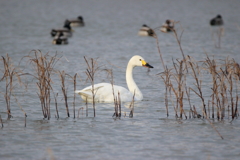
point(104, 91)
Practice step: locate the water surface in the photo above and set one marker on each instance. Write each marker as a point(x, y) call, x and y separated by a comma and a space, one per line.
point(111, 36)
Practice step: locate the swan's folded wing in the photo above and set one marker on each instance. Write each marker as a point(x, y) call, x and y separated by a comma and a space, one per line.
point(87, 92)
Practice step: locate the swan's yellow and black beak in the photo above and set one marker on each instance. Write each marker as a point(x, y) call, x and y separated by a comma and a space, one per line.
point(145, 64)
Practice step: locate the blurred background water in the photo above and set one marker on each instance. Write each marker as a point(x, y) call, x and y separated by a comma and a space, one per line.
point(111, 36)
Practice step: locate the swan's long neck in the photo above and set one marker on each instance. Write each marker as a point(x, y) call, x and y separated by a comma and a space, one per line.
point(131, 83)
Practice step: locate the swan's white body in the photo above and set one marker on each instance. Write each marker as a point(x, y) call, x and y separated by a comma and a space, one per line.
point(104, 91)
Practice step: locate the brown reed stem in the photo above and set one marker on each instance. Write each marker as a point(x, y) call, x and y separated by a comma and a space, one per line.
point(167, 82)
point(116, 99)
point(158, 47)
point(74, 98)
point(209, 109)
point(55, 98)
point(1, 121)
point(189, 102)
point(198, 85)
point(213, 125)
point(132, 107)
point(64, 90)
point(180, 46)
point(86, 108)
point(90, 72)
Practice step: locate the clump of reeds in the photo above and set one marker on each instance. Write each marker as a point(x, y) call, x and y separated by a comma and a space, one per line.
point(43, 65)
point(10, 74)
point(225, 84)
point(92, 68)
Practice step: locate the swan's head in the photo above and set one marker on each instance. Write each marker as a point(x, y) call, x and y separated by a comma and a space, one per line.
point(139, 61)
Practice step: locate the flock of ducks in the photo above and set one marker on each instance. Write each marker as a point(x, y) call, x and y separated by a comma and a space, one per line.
point(168, 26)
point(60, 36)
point(104, 92)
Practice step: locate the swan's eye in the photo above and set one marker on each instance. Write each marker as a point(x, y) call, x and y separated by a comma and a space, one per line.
point(140, 60)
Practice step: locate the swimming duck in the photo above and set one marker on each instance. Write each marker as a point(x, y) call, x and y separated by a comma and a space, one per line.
point(67, 31)
point(104, 91)
point(217, 21)
point(79, 22)
point(146, 31)
point(167, 26)
point(60, 39)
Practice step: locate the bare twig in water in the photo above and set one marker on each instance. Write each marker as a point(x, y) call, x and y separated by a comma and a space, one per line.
point(132, 107)
point(74, 98)
point(64, 90)
point(1, 121)
point(74, 78)
point(55, 98)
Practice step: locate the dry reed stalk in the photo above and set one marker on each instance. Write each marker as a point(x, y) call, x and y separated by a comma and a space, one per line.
point(209, 108)
point(44, 67)
point(213, 126)
point(189, 102)
point(171, 88)
point(117, 106)
point(1, 121)
point(10, 73)
point(74, 98)
point(198, 85)
point(74, 78)
point(180, 79)
point(55, 98)
point(179, 44)
point(230, 80)
point(64, 90)
point(91, 70)
point(86, 108)
point(167, 82)
point(116, 99)
point(231, 75)
point(199, 93)
point(181, 84)
point(158, 47)
point(132, 106)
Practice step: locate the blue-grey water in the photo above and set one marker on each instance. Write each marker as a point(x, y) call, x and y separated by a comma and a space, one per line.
point(110, 34)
